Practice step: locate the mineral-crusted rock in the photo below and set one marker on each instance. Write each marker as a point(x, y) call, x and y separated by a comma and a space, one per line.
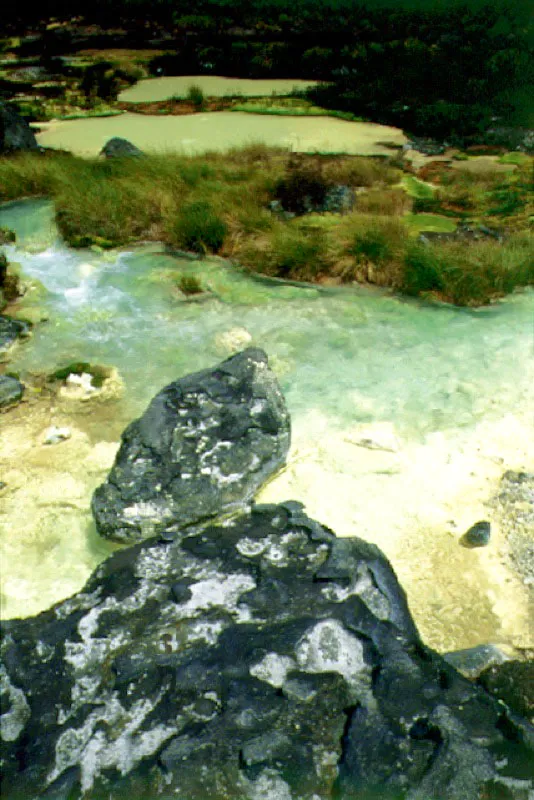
point(204, 446)
point(262, 658)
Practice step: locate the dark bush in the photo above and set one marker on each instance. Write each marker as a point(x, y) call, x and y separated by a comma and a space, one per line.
point(422, 270)
point(199, 228)
point(303, 188)
point(372, 245)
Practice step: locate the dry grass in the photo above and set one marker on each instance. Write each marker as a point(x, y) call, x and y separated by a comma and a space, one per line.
point(219, 202)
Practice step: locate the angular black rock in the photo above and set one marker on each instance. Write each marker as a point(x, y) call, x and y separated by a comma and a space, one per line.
point(15, 133)
point(11, 390)
point(10, 330)
point(478, 535)
point(203, 447)
point(258, 659)
point(120, 148)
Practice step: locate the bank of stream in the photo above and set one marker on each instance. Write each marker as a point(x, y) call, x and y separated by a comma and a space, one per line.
point(405, 416)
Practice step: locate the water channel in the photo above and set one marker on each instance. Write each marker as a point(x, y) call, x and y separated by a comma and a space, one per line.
point(405, 416)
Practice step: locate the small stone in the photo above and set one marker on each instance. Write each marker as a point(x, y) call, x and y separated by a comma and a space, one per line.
point(11, 390)
point(478, 535)
point(54, 435)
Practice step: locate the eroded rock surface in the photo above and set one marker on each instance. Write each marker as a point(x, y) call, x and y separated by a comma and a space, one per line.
point(262, 658)
point(204, 446)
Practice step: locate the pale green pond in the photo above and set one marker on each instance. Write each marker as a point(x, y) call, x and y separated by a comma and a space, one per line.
point(156, 89)
point(220, 130)
point(404, 417)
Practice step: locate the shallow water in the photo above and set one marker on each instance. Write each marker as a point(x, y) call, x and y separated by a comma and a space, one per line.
point(404, 416)
point(220, 130)
point(155, 89)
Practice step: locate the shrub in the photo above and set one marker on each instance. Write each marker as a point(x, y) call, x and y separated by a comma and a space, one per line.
point(195, 96)
point(303, 188)
point(287, 252)
point(7, 236)
point(422, 270)
point(198, 228)
point(189, 284)
point(371, 245)
point(388, 202)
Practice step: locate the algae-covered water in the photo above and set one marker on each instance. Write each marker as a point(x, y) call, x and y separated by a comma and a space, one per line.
point(404, 416)
point(156, 89)
point(220, 130)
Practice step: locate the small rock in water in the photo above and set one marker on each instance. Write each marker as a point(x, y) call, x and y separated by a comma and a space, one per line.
point(11, 390)
point(478, 535)
point(54, 435)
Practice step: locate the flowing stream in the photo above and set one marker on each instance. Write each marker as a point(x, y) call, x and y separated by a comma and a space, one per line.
point(405, 416)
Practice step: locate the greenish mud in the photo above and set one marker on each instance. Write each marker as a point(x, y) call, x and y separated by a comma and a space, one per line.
point(218, 131)
point(157, 89)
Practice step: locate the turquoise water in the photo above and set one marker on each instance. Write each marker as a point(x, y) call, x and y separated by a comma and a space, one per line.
point(425, 367)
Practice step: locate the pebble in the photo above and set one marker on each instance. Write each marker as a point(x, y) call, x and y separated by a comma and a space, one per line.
point(478, 535)
point(54, 435)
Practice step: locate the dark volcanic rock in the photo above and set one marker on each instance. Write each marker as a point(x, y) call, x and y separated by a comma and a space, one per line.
point(474, 660)
point(15, 133)
point(204, 446)
point(261, 659)
point(120, 148)
point(10, 330)
point(478, 535)
point(11, 390)
point(513, 683)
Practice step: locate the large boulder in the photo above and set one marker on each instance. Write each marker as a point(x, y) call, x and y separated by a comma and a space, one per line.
point(15, 133)
point(204, 446)
point(262, 659)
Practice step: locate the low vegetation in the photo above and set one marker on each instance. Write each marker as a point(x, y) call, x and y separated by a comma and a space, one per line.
point(221, 204)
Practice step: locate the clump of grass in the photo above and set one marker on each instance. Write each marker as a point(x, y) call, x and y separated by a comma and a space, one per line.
point(390, 202)
point(7, 236)
point(303, 187)
point(472, 274)
point(423, 268)
point(377, 242)
point(289, 252)
point(189, 285)
point(198, 228)
point(195, 96)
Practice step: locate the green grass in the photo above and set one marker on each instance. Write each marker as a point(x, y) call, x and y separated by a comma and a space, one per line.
point(429, 222)
point(417, 188)
point(291, 107)
point(219, 203)
point(515, 158)
point(471, 274)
